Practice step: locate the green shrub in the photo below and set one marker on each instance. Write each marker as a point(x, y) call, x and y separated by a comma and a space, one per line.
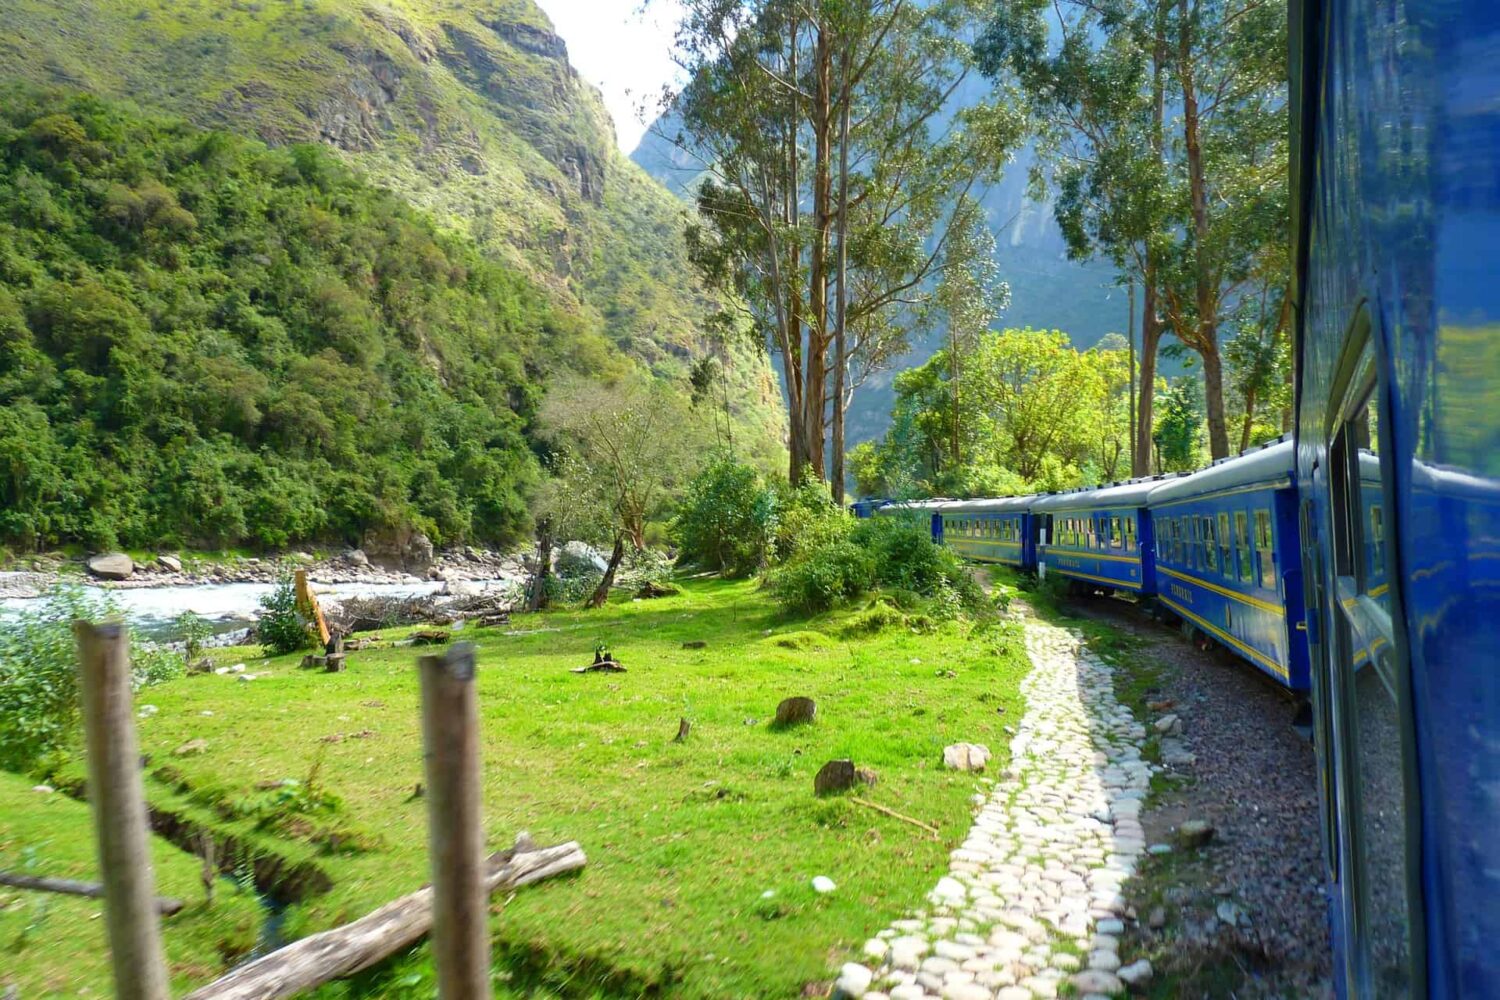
point(808, 519)
point(906, 559)
point(39, 675)
point(823, 578)
point(283, 628)
point(726, 519)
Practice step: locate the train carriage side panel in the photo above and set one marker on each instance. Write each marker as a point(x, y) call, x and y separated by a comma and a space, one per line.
point(1098, 536)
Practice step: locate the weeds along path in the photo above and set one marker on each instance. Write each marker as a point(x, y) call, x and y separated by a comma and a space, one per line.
point(1031, 904)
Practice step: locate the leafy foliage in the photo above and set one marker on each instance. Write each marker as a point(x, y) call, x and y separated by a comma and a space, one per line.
point(203, 340)
point(727, 518)
point(1033, 414)
point(39, 699)
point(282, 627)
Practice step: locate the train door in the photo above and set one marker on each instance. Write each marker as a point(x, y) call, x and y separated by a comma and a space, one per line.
point(1369, 697)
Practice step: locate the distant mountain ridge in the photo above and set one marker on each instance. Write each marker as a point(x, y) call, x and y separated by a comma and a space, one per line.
point(1047, 290)
point(467, 109)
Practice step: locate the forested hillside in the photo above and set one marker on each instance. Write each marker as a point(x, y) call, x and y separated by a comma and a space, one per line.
point(206, 341)
point(470, 110)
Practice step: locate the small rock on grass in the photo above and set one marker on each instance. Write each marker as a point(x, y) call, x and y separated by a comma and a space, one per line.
point(191, 748)
point(795, 711)
point(822, 883)
point(966, 756)
point(834, 776)
point(1158, 918)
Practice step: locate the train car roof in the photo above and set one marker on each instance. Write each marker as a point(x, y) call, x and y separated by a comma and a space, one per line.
point(1267, 465)
point(1128, 494)
point(982, 504)
point(896, 506)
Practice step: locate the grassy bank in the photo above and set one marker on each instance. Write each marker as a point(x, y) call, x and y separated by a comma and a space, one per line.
point(53, 945)
point(684, 840)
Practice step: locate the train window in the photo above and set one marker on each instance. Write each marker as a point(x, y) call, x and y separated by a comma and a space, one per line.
point(1195, 543)
point(1373, 684)
point(1264, 549)
point(1242, 546)
point(1210, 546)
point(1130, 534)
point(1176, 539)
point(1116, 534)
point(1226, 541)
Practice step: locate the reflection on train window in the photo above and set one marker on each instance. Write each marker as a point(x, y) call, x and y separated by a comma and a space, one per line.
point(1242, 546)
point(1226, 561)
point(1373, 688)
point(1210, 549)
point(1116, 536)
point(1130, 534)
point(1264, 550)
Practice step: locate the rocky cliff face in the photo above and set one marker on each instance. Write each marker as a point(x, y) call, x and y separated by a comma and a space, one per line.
point(470, 109)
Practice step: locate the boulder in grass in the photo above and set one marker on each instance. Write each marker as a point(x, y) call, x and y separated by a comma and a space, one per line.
point(169, 563)
point(795, 712)
point(111, 566)
point(966, 756)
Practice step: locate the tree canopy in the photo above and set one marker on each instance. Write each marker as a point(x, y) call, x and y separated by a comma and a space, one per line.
point(205, 341)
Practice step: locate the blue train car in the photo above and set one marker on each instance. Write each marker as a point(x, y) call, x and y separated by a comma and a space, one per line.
point(1227, 558)
point(865, 508)
point(1396, 306)
point(1100, 537)
point(990, 530)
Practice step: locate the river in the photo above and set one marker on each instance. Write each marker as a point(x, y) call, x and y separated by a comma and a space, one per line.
point(226, 607)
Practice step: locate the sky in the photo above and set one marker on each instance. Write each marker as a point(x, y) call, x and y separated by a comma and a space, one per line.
point(624, 51)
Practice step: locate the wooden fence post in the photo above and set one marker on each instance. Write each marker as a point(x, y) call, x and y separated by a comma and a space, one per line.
point(119, 802)
point(455, 833)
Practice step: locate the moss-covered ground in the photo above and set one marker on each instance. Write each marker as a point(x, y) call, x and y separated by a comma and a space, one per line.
point(701, 853)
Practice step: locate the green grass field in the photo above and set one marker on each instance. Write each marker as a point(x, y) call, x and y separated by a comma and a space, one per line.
point(684, 840)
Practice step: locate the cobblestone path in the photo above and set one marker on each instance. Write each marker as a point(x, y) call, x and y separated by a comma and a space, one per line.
point(1031, 900)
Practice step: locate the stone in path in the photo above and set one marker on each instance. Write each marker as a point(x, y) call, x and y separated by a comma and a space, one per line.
point(1038, 878)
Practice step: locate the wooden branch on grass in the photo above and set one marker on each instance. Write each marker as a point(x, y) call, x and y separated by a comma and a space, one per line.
point(893, 814)
point(165, 905)
point(374, 937)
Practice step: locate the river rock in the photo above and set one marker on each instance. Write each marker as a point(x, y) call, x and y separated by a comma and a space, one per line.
point(966, 756)
point(357, 557)
point(111, 566)
point(578, 559)
point(170, 563)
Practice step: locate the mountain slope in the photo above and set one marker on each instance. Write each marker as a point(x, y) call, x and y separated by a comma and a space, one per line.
point(469, 109)
point(206, 342)
point(1047, 290)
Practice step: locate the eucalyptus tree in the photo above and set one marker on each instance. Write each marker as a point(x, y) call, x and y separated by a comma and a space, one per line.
point(1094, 77)
point(836, 174)
point(1166, 128)
point(970, 294)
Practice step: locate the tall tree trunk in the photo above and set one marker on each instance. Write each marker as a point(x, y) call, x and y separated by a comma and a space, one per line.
point(1151, 328)
point(536, 597)
point(815, 361)
point(841, 295)
point(791, 201)
point(601, 592)
point(1206, 334)
point(1249, 418)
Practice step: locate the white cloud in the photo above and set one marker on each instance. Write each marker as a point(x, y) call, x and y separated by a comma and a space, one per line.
point(623, 50)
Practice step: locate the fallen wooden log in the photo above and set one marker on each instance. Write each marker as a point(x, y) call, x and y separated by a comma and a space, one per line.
point(608, 666)
point(399, 924)
point(165, 905)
